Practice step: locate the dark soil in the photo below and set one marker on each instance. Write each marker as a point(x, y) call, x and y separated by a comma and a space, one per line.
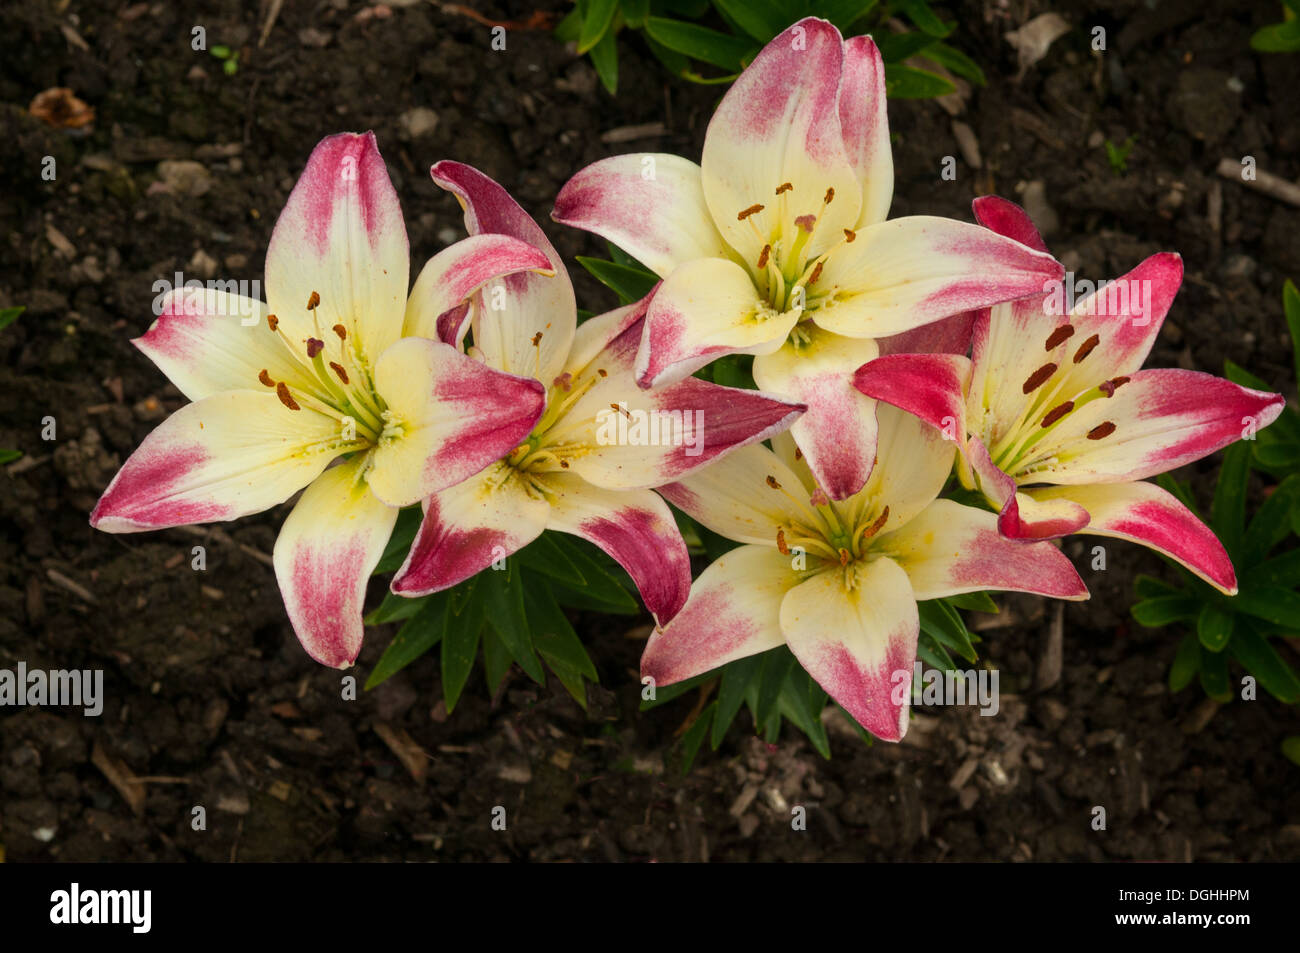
point(208, 692)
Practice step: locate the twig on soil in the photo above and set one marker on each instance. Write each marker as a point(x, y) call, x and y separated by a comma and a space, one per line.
point(1200, 717)
point(1049, 663)
point(537, 20)
point(414, 758)
point(119, 775)
point(75, 588)
point(222, 537)
point(272, 14)
point(1274, 186)
point(645, 130)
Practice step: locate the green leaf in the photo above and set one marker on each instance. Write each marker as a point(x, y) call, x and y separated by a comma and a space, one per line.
point(896, 47)
point(1278, 455)
point(1291, 748)
point(956, 62)
point(220, 51)
point(1270, 603)
point(667, 693)
point(1181, 491)
point(919, 12)
point(793, 704)
point(845, 13)
point(674, 62)
point(597, 16)
point(905, 82)
point(418, 635)
point(1214, 627)
point(1283, 570)
point(1291, 295)
point(734, 370)
point(1253, 651)
point(1164, 610)
point(566, 31)
point(1187, 662)
point(1228, 512)
point(736, 679)
point(600, 586)
point(1277, 38)
point(630, 284)
point(394, 608)
point(544, 555)
point(929, 651)
point(604, 57)
point(695, 735)
point(635, 12)
point(459, 648)
point(1149, 587)
point(700, 43)
point(496, 660)
point(1239, 375)
point(1214, 675)
point(404, 530)
point(503, 607)
point(9, 315)
point(942, 622)
point(776, 666)
point(9, 456)
point(974, 602)
point(1271, 522)
point(558, 644)
point(761, 19)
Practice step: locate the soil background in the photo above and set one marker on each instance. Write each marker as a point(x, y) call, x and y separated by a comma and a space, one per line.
point(208, 694)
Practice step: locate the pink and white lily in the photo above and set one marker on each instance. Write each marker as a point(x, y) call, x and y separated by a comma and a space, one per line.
point(329, 371)
point(576, 472)
point(1059, 399)
point(838, 582)
point(777, 244)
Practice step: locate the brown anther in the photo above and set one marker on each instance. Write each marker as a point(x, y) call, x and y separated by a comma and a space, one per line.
point(798, 454)
point(1037, 378)
point(781, 546)
point(265, 378)
point(563, 382)
point(849, 234)
point(564, 464)
point(272, 322)
point(1109, 387)
point(338, 369)
point(601, 371)
point(763, 256)
point(282, 391)
point(816, 273)
point(771, 481)
point(537, 339)
point(845, 556)
point(752, 210)
point(806, 222)
point(874, 528)
point(830, 194)
point(314, 347)
point(1059, 336)
point(1101, 430)
point(313, 302)
point(341, 331)
point(1086, 348)
point(819, 497)
point(784, 187)
point(1057, 412)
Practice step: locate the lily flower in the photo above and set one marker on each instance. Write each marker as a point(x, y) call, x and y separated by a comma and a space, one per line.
point(1056, 396)
point(777, 244)
point(838, 582)
point(600, 444)
point(327, 371)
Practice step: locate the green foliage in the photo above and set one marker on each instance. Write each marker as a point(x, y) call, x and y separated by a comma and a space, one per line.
point(773, 688)
point(1117, 155)
point(1281, 37)
point(1246, 627)
point(514, 614)
point(9, 315)
point(685, 47)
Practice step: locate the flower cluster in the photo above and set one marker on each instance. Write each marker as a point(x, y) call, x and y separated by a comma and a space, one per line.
point(895, 359)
